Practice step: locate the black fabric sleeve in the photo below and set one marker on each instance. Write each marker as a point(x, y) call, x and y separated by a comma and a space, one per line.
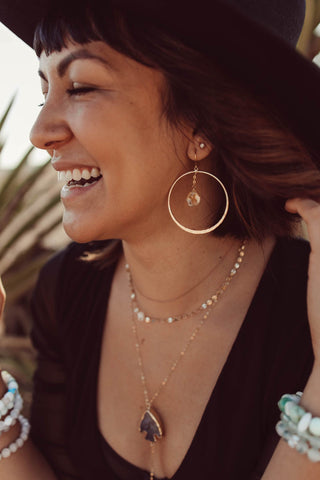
point(49, 399)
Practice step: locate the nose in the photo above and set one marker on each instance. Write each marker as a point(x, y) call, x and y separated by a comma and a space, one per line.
point(50, 129)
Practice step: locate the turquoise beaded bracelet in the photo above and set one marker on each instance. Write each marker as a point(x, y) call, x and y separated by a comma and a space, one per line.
point(298, 428)
point(7, 401)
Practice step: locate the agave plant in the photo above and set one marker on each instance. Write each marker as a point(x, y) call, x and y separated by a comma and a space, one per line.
point(30, 231)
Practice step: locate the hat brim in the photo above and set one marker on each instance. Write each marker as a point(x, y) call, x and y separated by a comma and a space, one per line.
point(22, 17)
point(251, 53)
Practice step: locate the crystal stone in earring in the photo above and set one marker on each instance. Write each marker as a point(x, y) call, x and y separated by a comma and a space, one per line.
point(193, 198)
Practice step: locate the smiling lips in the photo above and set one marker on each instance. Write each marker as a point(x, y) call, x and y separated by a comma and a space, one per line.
point(79, 178)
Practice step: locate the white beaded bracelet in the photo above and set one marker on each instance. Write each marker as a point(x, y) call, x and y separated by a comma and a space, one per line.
point(10, 420)
point(18, 443)
point(7, 401)
point(297, 441)
point(298, 428)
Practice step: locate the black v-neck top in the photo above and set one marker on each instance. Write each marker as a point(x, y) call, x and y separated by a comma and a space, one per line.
point(236, 437)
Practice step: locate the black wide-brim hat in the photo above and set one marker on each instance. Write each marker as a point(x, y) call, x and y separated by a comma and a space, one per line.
point(253, 39)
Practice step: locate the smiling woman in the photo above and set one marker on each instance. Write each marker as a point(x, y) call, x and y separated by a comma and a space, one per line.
point(84, 102)
point(142, 325)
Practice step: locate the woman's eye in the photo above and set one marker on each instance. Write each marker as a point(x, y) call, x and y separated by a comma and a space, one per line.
point(75, 91)
point(80, 90)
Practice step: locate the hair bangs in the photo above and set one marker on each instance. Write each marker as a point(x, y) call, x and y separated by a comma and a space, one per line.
point(56, 29)
point(94, 21)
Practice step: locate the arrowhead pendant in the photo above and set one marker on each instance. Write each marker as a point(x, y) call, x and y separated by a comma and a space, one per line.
point(150, 424)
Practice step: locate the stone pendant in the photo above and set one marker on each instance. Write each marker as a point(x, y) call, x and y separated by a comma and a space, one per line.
point(193, 198)
point(150, 423)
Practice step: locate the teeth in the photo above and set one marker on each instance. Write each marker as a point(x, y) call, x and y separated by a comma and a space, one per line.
point(80, 186)
point(76, 174)
point(61, 176)
point(86, 174)
point(95, 172)
point(68, 175)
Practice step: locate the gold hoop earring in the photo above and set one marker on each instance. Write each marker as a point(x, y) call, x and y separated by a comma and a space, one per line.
point(193, 193)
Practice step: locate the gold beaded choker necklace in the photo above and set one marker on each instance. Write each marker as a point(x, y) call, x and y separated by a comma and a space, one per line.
point(150, 422)
point(143, 317)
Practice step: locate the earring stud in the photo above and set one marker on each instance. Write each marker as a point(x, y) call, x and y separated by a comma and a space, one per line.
point(202, 145)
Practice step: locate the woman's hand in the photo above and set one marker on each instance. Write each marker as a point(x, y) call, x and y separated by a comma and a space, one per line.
point(309, 210)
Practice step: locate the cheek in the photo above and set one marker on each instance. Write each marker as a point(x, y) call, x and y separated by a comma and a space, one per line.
point(114, 133)
point(117, 117)
point(132, 148)
point(104, 125)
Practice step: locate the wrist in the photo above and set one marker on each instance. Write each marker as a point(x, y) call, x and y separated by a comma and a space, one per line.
point(311, 394)
point(3, 386)
point(10, 436)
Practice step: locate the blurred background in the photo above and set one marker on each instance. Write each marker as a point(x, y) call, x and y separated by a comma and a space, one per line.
point(30, 211)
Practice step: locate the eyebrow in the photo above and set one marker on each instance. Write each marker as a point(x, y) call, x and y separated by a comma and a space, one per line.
point(78, 54)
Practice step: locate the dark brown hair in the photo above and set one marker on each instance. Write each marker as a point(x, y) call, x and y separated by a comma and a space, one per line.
point(258, 158)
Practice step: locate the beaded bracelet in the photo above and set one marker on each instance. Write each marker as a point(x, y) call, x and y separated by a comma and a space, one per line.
point(298, 428)
point(10, 420)
point(18, 443)
point(7, 401)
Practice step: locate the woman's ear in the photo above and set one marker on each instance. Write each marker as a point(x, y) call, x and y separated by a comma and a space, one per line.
point(198, 148)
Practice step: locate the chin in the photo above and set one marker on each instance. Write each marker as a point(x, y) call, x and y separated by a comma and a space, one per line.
point(83, 232)
point(78, 237)
point(78, 231)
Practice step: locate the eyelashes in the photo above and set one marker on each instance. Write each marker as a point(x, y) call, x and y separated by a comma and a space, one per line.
point(80, 90)
point(75, 91)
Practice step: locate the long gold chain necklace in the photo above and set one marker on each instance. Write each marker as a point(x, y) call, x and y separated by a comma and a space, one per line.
point(151, 423)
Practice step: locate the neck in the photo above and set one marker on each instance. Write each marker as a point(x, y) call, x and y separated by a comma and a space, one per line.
point(163, 271)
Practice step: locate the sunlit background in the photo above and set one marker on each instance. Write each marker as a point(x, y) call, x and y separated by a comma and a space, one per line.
point(19, 66)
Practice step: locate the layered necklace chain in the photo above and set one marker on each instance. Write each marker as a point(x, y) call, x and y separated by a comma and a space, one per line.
point(151, 423)
point(141, 316)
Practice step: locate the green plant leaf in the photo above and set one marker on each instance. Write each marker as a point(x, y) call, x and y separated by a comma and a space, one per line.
point(7, 111)
point(30, 222)
point(5, 191)
point(16, 199)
